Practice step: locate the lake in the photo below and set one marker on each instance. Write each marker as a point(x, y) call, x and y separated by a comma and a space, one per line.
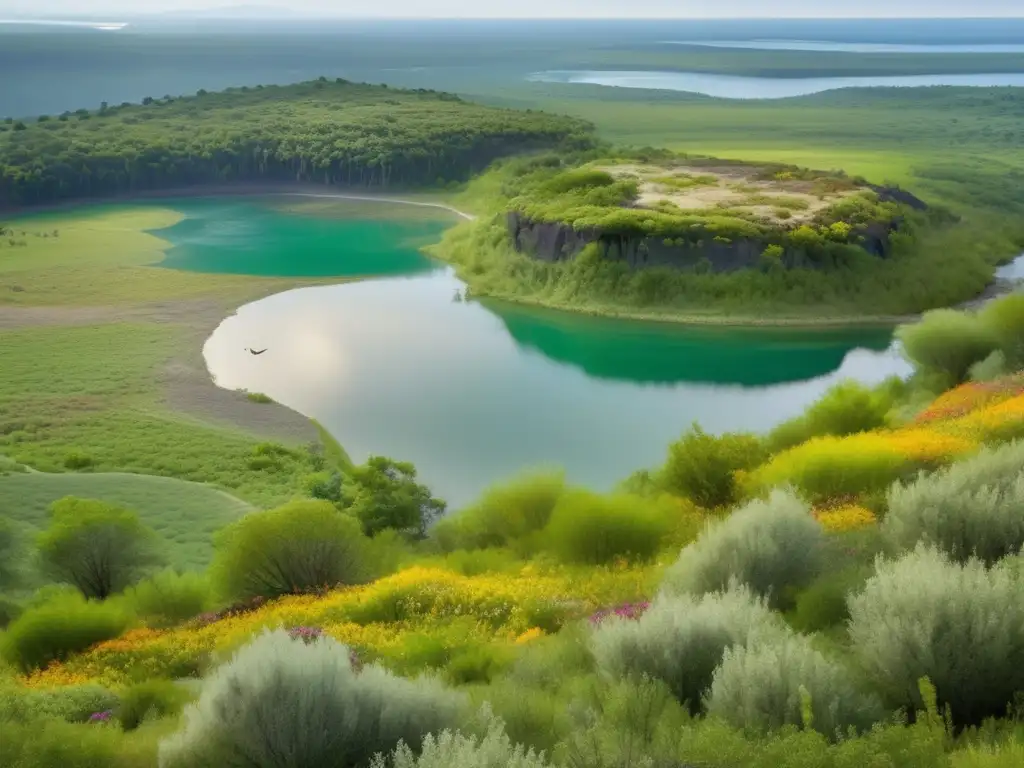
point(741, 87)
point(471, 392)
point(829, 45)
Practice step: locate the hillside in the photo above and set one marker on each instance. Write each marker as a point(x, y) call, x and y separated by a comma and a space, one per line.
point(334, 132)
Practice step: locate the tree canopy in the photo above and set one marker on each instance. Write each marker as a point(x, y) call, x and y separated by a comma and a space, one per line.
point(332, 132)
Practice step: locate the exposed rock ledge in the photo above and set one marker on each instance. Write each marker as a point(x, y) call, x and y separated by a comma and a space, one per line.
point(558, 241)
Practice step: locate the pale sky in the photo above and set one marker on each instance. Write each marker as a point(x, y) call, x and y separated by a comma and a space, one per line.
point(536, 8)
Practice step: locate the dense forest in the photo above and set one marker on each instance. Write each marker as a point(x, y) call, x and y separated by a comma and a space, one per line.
point(331, 132)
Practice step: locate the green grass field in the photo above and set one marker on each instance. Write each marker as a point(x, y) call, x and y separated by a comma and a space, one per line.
point(100, 256)
point(90, 331)
point(90, 397)
point(185, 515)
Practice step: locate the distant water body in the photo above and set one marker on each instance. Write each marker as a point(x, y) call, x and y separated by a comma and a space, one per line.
point(826, 45)
point(105, 25)
point(738, 87)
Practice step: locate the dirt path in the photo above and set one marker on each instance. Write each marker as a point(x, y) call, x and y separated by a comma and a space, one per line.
point(370, 198)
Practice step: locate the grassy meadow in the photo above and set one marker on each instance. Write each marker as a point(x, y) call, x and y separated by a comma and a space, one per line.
point(185, 515)
point(102, 360)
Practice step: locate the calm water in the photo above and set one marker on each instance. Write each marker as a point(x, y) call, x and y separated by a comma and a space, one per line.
point(1012, 271)
point(828, 45)
point(739, 87)
point(474, 393)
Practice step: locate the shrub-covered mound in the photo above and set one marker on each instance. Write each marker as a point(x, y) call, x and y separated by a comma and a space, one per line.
point(282, 701)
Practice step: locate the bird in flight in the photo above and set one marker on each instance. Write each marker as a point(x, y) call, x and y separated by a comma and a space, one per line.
point(255, 351)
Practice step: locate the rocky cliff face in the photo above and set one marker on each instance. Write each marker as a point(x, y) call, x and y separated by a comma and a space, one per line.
point(559, 242)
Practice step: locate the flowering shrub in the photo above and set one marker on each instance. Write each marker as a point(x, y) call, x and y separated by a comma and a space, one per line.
point(627, 611)
point(828, 468)
point(846, 517)
point(373, 618)
point(306, 634)
point(970, 397)
point(529, 635)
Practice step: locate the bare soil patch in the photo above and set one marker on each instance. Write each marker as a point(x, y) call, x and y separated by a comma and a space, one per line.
point(711, 189)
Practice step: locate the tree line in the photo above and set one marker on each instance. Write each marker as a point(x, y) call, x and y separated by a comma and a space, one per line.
point(331, 132)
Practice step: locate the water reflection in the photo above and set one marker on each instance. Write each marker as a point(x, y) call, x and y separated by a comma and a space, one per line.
point(471, 395)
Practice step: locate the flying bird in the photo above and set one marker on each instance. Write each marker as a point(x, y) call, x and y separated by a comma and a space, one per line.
point(255, 351)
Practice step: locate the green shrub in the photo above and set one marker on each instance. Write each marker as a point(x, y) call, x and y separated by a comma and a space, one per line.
point(77, 460)
point(1004, 317)
point(63, 625)
point(259, 397)
point(97, 547)
point(451, 749)
point(823, 605)
point(845, 409)
point(56, 744)
point(773, 546)
point(946, 343)
point(1009, 755)
point(12, 554)
point(71, 703)
point(301, 547)
point(680, 640)
point(957, 625)
point(153, 698)
point(587, 528)
point(765, 685)
point(507, 515)
point(702, 467)
point(383, 495)
point(969, 509)
point(10, 609)
point(280, 702)
point(168, 597)
point(991, 368)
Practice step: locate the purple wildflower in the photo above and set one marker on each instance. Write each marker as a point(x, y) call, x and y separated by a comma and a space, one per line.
point(306, 634)
point(626, 611)
point(101, 717)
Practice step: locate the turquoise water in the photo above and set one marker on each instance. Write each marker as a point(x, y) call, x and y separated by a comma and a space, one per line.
point(742, 87)
point(475, 392)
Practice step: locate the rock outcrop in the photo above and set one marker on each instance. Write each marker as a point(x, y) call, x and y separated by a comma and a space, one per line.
point(558, 241)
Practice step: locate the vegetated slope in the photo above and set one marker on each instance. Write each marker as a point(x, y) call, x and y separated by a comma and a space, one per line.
point(185, 514)
point(384, 619)
point(695, 238)
point(321, 131)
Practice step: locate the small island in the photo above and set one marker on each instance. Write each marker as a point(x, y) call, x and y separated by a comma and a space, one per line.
point(656, 234)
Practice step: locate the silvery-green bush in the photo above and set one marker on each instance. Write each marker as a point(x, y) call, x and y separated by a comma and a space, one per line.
point(771, 546)
point(973, 508)
point(765, 685)
point(959, 625)
point(280, 703)
point(451, 749)
point(680, 640)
